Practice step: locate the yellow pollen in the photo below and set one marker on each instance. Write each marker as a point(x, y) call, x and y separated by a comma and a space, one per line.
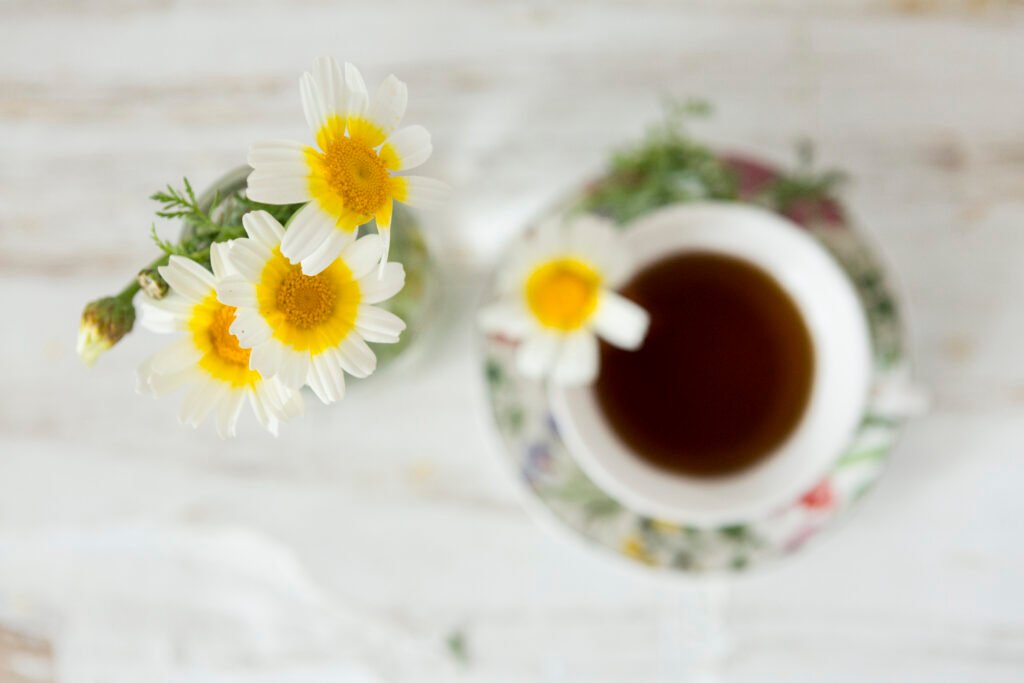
point(562, 293)
point(225, 344)
point(306, 300)
point(356, 174)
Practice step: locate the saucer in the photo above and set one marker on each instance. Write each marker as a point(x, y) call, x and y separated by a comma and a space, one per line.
point(566, 500)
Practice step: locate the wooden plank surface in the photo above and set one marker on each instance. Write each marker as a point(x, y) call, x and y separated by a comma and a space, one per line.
point(393, 503)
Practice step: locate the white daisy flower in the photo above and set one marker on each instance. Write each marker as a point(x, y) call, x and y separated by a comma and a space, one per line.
point(308, 329)
point(558, 292)
point(349, 177)
point(208, 360)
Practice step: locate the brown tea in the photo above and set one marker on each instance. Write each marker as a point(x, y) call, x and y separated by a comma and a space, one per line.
point(724, 375)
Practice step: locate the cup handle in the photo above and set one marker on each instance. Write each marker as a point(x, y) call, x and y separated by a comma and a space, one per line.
point(900, 397)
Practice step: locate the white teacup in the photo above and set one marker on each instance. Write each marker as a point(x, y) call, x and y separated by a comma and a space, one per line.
point(839, 333)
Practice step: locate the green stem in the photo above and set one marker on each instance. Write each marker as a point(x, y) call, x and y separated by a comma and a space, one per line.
point(133, 287)
point(129, 291)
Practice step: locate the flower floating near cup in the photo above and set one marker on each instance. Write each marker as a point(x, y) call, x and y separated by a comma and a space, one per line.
point(557, 295)
point(274, 289)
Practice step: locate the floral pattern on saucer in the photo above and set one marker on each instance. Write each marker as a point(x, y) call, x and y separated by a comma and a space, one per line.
point(567, 496)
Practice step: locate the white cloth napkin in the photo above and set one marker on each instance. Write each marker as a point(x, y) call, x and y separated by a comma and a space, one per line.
point(202, 604)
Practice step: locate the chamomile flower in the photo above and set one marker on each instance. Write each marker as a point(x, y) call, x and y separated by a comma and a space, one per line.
point(558, 292)
point(310, 329)
point(207, 359)
point(349, 178)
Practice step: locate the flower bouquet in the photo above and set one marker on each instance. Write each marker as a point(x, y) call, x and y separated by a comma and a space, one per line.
point(283, 285)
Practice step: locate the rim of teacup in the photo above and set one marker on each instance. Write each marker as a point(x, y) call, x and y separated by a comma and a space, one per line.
point(840, 338)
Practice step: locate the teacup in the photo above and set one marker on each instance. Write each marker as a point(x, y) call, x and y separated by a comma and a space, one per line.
point(837, 325)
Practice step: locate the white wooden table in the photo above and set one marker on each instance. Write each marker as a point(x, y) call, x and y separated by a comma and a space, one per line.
point(145, 551)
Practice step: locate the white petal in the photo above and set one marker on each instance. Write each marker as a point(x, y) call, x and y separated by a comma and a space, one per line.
point(518, 266)
point(537, 354)
point(524, 258)
point(331, 83)
point(326, 377)
point(163, 316)
point(269, 173)
point(362, 255)
point(308, 229)
point(385, 247)
point(577, 360)
point(328, 251)
point(388, 105)
point(219, 259)
point(377, 325)
point(160, 384)
point(356, 357)
point(587, 229)
point(273, 403)
point(251, 329)
point(294, 368)
point(425, 193)
point(506, 318)
point(163, 324)
point(313, 105)
point(264, 412)
point(263, 228)
point(271, 188)
point(382, 287)
point(598, 241)
point(549, 239)
point(620, 322)
point(173, 304)
point(143, 376)
point(200, 400)
point(180, 355)
point(616, 268)
point(227, 413)
point(188, 278)
point(289, 402)
point(168, 369)
point(249, 258)
point(294, 406)
point(274, 394)
point(411, 145)
point(237, 291)
point(267, 357)
point(276, 152)
point(355, 87)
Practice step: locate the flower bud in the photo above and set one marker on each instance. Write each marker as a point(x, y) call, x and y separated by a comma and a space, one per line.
point(104, 322)
point(153, 283)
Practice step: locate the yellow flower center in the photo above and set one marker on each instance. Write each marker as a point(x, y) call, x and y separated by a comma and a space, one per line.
point(306, 300)
point(225, 344)
point(356, 174)
point(562, 293)
point(308, 312)
point(223, 358)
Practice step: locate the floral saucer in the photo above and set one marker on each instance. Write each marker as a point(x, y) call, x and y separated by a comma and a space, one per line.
point(566, 496)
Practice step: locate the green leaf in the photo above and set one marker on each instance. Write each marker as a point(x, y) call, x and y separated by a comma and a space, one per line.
point(162, 244)
point(458, 646)
point(665, 168)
